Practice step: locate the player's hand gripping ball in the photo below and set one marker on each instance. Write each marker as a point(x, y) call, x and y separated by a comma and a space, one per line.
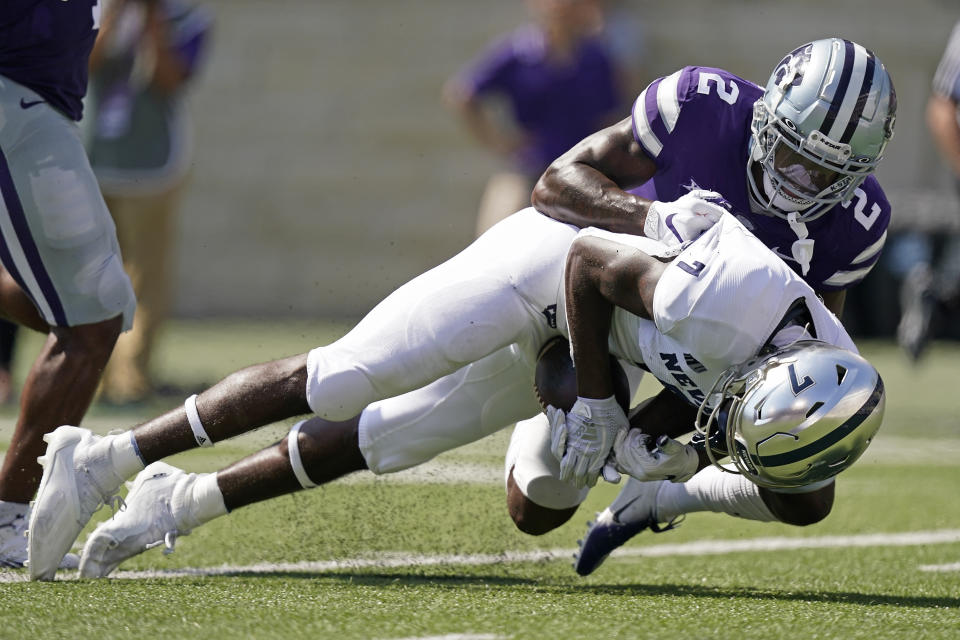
point(583, 446)
point(555, 381)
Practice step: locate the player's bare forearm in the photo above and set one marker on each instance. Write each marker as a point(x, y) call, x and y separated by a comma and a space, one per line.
point(602, 274)
point(587, 185)
point(578, 194)
point(588, 316)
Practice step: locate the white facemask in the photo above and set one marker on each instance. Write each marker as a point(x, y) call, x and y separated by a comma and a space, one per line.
point(780, 200)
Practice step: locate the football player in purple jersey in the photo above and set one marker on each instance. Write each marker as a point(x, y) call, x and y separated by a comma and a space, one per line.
point(794, 158)
point(61, 270)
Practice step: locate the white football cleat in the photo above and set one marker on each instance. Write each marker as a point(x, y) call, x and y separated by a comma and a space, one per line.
point(78, 478)
point(632, 511)
point(146, 522)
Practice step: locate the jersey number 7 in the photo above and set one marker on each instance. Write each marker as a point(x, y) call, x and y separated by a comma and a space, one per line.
point(694, 270)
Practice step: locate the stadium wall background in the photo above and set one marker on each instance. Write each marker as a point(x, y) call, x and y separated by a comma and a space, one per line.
point(327, 171)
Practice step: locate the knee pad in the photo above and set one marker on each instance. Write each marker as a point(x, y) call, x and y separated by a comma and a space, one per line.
point(337, 390)
point(99, 288)
point(115, 291)
point(536, 471)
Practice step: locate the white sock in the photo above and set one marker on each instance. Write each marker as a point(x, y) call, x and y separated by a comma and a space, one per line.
point(125, 455)
point(196, 499)
point(712, 490)
point(117, 458)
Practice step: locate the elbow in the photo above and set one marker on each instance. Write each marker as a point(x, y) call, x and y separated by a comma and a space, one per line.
point(577, 251)
point(540, 196)
point(545, 196)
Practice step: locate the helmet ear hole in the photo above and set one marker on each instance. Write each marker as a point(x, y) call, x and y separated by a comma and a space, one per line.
point(841, 373)
point(760, 406)
point(813, 409)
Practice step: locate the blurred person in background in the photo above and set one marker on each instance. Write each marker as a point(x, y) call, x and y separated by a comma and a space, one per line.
point(62, 272)
point(140, 144)
point(559, 81)
point(933, 281)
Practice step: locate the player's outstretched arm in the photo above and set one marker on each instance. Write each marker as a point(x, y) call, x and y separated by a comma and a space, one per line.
point(601, 274)
point(586, 185)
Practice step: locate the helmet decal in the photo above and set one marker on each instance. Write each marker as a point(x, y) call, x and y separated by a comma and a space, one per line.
point(797, 384)
point(792, 66)
point(835, 436)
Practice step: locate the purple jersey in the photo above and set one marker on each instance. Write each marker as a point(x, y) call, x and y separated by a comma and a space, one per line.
point(556, 104)
point(45, 46)
point(695, 125)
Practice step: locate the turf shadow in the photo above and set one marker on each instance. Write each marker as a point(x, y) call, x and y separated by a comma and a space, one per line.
point(701, 591)
point(458, 581)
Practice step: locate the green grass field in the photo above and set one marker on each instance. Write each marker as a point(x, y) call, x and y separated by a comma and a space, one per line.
point(433, 554)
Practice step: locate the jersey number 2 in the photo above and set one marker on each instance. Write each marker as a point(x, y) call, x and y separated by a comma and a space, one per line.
point(727, 95)
point(859, 214)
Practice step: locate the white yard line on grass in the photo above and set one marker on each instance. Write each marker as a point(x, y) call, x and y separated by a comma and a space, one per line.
point(399, 559)
point(953, 566)
point(459, 636)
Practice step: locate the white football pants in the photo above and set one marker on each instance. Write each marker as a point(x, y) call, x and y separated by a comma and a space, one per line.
point(448, 357)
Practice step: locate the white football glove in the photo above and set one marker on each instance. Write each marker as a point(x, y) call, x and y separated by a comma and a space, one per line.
point(669, 459)
point(684, 219)
point(583, 438)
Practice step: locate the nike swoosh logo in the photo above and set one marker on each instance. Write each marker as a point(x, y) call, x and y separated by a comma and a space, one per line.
point(673, 229)
point(26, 105)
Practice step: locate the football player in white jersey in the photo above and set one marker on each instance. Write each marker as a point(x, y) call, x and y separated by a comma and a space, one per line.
point(451, 353)
point(795, 159)
point(782, 393)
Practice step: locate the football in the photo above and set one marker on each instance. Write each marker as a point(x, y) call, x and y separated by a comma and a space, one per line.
point(555, 381)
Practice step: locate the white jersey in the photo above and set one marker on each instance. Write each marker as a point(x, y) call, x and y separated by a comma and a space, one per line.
point(716, 305)
point(450, 356)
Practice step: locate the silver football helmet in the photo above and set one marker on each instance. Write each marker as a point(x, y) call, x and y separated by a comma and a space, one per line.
point(820, 129)
point(799, 415)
